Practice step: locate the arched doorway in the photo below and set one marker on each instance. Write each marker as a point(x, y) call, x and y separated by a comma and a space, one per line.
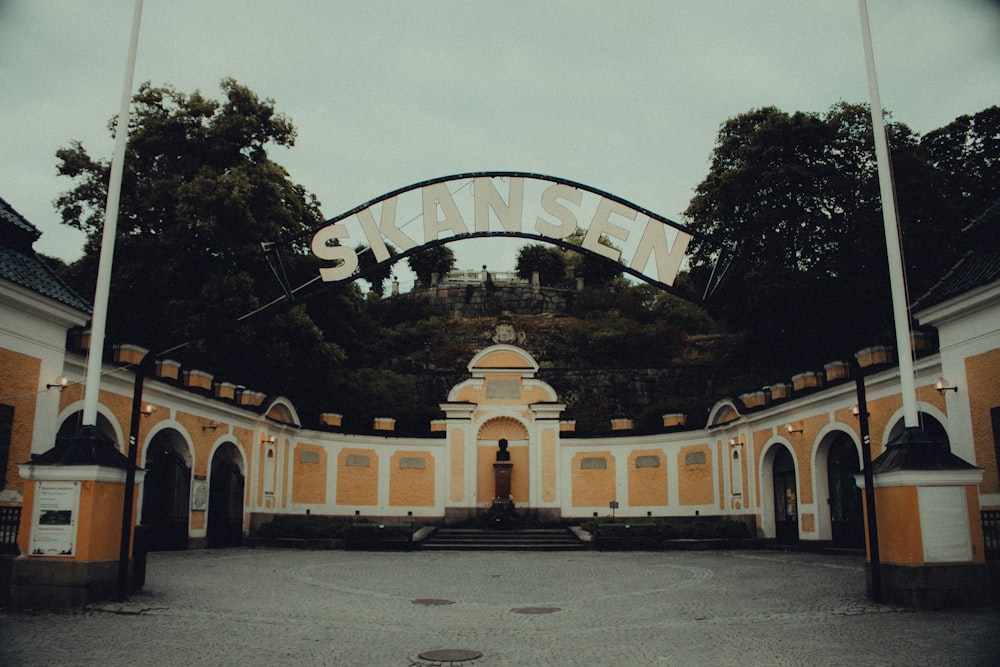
point(846, 512)
point(166, 493)
point(786, 504)
point(225, 498)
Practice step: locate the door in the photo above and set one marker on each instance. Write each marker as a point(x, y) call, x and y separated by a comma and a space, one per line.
point(846, 512)
point(786, 505)
point(225, 505)
point(166, 499)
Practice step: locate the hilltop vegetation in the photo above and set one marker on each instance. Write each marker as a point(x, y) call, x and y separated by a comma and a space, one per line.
point(795, 194)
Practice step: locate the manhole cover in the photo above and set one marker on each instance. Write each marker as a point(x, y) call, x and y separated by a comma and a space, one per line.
point(536, 610)
point(450, 655)
point(431, 602)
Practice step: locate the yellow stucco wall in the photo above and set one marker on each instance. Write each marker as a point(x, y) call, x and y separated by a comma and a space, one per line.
point(357, 485)
point(285, 463)
point(593, 487)
point(694, 480)
point(99, 520)
point(19, 379)
point(739, 471)
point(647, 485)
point(457, 473)
point(409, 484)
point(982, 372)
point(309, 474)
point(245, 438)
point(758, 440)
point(548, 466)
point(899, 537)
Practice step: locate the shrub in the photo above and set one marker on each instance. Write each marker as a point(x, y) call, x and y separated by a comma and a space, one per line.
point(298, 526)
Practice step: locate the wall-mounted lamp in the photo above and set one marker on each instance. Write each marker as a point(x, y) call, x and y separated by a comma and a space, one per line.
point(211, 426)
point(148, 409)
point(61, 383)
point(271, 439)
point(942, 386)
point(733, 442)
point(792, 429)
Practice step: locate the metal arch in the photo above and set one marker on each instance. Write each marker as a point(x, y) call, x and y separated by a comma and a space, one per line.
point(718, 271)
point(486, 174)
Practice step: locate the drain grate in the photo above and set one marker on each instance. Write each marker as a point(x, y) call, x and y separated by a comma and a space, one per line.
point(536, 610)
point(450, 655)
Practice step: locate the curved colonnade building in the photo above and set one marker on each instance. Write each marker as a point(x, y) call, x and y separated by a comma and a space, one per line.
point(220, 459)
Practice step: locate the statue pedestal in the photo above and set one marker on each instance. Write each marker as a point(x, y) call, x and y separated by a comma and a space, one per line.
point(501, 480)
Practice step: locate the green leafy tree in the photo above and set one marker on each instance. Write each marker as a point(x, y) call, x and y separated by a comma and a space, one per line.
point(374, 274)
point(439, 259)
point(545, 259)
point(798, 196)
point(595, 270)
point(200, 195)
point(967, 153)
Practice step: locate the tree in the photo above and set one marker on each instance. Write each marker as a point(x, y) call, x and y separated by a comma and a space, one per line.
point(199, 197)
point(545, 259)
point(439, 259)
point(374, 274)
point(798, 196)
point(596, 270)
point(967, 153)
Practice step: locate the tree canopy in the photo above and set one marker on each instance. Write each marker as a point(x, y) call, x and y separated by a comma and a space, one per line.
point(798, 196)
point(796, 193)
point(200, 195)
point(545, 259)
point(439, 259)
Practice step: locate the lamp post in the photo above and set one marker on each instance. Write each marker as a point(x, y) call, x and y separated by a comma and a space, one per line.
point(866, 463)
point(133, 454)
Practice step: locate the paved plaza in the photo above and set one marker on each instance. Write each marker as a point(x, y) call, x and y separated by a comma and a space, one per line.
point(276, 607)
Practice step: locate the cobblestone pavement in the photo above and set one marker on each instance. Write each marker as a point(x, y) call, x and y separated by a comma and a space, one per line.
point(274, 607)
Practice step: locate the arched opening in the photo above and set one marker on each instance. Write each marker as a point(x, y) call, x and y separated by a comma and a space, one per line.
point(515, 435)
point(166, 495)
point(846, 511)
point(225, 498)
point(928, 424)
point(72, 424)
point(786, 505)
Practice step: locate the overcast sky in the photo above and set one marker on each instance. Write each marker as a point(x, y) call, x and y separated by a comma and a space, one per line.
point(626, 97)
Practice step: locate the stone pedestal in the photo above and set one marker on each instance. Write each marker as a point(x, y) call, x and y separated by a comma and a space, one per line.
point(501, 480)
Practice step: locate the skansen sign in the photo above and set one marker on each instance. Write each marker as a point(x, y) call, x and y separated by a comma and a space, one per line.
point(477, 205)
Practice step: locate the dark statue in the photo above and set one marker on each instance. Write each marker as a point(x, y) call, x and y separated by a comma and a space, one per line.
point(502, 453)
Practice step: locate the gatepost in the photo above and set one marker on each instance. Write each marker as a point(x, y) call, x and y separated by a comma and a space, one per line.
point(930, 539)
point(70, 523)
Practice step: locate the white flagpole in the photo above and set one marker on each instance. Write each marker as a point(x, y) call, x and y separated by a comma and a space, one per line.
point(98, 321)
point(897, 283)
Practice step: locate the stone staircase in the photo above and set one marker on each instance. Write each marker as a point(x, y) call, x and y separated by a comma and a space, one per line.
point(475, 539)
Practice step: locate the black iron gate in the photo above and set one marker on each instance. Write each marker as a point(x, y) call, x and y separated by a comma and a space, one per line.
point(166, 501)
point(10, 523)
point(225, 506)
point(991, 533)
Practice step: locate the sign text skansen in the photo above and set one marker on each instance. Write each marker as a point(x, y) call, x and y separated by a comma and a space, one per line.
point(547, 209)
